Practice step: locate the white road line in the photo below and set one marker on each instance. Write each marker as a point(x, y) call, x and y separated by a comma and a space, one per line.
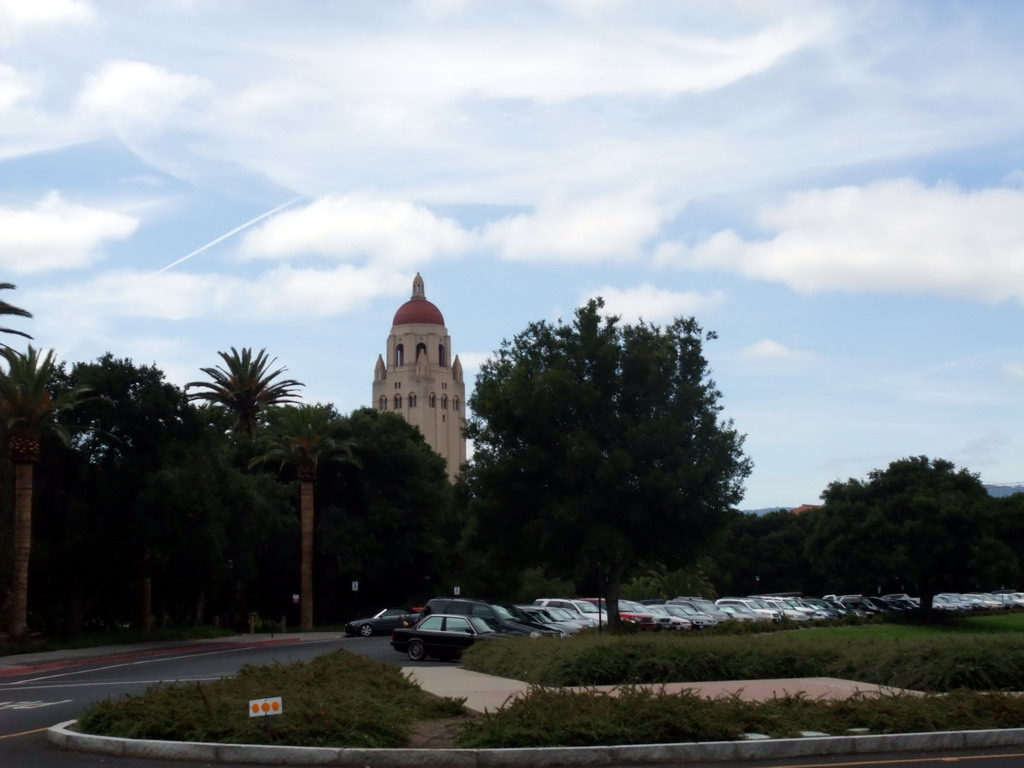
point(31, 704)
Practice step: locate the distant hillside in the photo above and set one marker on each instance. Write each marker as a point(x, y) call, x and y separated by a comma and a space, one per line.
point(999, 490)
point(1004, 489)
point(763, 511)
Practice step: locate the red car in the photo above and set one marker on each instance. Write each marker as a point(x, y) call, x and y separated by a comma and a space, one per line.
point(631, 612)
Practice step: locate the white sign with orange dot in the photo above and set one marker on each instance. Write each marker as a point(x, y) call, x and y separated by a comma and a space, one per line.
point(264, 707)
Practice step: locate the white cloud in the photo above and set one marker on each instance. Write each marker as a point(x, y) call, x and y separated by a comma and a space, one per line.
point(560, 60)
point(133, 96)
point(281, 293)
point(984, 450)
point(610, 229)
point(1014, 178)
point(18, 15)
point(655, 305)
point(769, 349)
point(895, 236)
point(56, 234)
point(1014, 370)
point(12, 87)
point(357, 227)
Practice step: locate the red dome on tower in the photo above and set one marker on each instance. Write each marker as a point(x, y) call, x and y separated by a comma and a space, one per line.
point(417, 310)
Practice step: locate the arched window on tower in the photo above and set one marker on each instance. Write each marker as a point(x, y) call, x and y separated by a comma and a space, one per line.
point(412, 400)
point(440, 356)
point(444, 402)
point(400, 355)
point(383, 403)
point(455, 403)
point(398, 402)
point(432, 400)
point(421, 347)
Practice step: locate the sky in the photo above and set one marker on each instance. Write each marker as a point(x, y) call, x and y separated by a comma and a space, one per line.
point(835, 188)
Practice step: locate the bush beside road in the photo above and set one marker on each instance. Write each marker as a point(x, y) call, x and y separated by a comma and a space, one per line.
point(343, 700)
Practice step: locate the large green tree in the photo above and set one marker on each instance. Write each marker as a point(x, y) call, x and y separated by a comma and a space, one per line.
point(921, 524)
point(765, 553)
point(599, 444)
point(10, 309)
point(389, 526)
point(29, 408)
point(153, 514)
point(245, 385)
point(303, 436)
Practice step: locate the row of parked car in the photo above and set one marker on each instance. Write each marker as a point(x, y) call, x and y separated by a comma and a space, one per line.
point(444, 627)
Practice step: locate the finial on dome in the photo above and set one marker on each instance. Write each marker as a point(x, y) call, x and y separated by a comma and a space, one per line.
point(417, 288)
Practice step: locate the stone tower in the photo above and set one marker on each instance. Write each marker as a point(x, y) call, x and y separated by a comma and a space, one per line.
point(420, 379)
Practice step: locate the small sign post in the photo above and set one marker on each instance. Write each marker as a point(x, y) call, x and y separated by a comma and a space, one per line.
point(266, 707)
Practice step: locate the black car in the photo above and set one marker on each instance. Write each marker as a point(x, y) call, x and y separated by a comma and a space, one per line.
point(443, 636)
point(506, 616)
point(381, 623)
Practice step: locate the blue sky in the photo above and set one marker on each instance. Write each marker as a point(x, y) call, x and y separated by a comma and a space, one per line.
point(836, 188)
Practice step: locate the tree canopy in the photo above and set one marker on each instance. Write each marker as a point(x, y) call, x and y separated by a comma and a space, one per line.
point(920, 524)
point(303, 436)
point(599, 444)
point(245, 386)
point(9, 309)
point(30, 405)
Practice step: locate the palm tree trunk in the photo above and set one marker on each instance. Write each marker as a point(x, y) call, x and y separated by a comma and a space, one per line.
point(306, 566)
point(17, 625)
point(144, 605)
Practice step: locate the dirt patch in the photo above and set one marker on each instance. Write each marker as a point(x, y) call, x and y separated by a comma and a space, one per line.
point(438, 734)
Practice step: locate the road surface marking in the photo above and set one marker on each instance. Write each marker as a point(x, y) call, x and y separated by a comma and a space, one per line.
point(23, 733)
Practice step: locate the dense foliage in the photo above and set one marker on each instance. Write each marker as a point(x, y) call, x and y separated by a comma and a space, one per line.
point(945, 661)
point(919, 520)
point(335, 700)
point(152, 514)
point(634, 715)
point(600, 444)
point(601, 465)
point(344, 700)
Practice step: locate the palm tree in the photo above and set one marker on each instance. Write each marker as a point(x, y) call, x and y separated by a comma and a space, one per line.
point(10, 309)
point(245, 386)
point(29, 411)
point(303, 436)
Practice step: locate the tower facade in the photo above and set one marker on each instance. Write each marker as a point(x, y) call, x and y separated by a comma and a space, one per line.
point(420, 379)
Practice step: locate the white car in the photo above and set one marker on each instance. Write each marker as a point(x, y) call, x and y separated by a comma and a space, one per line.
point(757, 605)
point(699, 619)
point(742, 613)
point(675, 621)
point(789, 608)
point(583, 609)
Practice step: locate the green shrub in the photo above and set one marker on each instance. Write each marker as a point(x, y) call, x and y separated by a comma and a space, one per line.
point(926, 663)
point(338, 699)
point(550, 717)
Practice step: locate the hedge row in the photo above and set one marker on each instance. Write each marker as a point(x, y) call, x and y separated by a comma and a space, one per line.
point(933, 663)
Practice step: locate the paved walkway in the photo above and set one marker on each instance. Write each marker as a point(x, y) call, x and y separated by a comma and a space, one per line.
point(488, 693)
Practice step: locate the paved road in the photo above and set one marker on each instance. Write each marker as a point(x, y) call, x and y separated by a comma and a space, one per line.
point(32, 701)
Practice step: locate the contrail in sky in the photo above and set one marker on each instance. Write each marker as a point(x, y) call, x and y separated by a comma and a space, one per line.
point(226, 235)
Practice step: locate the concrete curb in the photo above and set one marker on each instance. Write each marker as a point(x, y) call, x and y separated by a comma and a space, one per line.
point(63, 737)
